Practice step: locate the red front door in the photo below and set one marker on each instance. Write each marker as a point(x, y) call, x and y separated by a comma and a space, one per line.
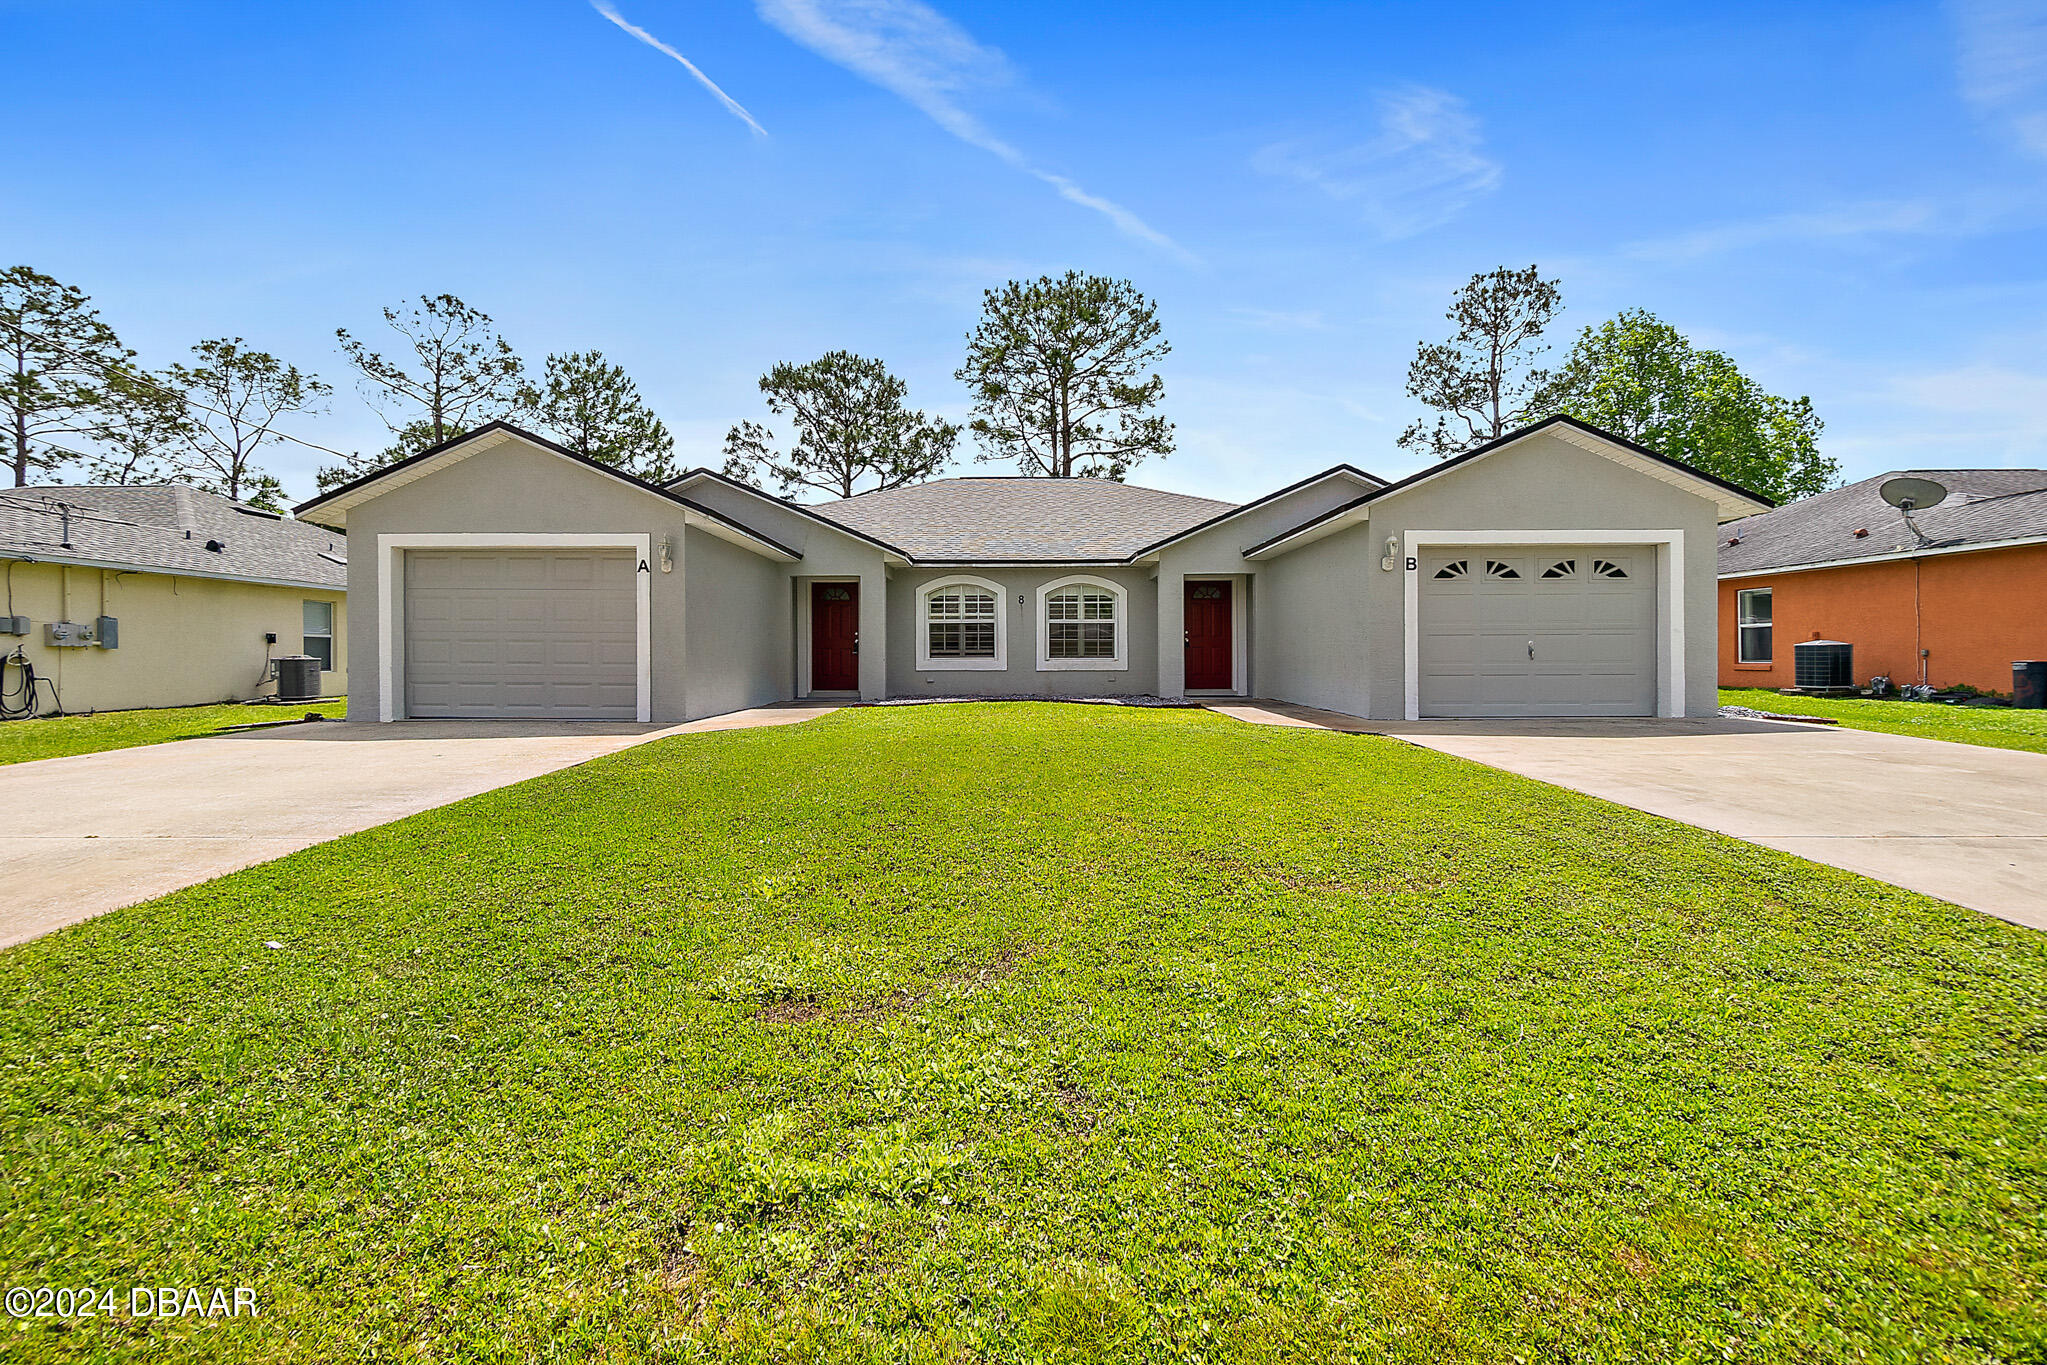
point(835, 637)
point(1211, 662)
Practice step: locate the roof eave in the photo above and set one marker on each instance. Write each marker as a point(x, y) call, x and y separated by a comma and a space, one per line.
point(742, 486)
point(1733, 501)
point(165, 571)
point(1890, 557)
point(1348, 470)
point(337, 501)
point(1354, 513)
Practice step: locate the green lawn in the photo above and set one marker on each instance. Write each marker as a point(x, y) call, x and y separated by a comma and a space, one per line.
point(22, 741)
point(1029, 1032)
point(1997, 727)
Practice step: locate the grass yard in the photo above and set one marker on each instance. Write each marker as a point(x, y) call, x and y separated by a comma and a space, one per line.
point(23, 741)
point(1035, 1033)
point(1995, 727)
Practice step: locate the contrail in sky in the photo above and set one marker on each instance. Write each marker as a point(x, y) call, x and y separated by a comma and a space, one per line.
point(738, 109)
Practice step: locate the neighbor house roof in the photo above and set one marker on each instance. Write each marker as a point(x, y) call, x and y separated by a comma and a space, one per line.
point(169, 529)
point(1983, 507)
point(987, 520)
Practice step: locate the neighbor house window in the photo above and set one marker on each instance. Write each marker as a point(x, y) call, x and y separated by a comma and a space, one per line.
point(320, 633)
point(1081, 624)
point(1752, 615)
point(961, 624)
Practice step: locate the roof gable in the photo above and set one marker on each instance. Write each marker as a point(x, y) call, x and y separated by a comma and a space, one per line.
point(331, 508)
point(1731, 499)
point(1983, 507)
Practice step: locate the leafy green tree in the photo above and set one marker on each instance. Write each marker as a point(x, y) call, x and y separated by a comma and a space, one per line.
point(461, 374)
point(593, 407)
point(1480, 380)
point(236, 395)
point(850, 423)
point(1637, 376)
point(58, 357)
point(1062, 378)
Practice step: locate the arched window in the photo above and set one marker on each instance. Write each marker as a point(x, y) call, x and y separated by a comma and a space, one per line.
point(1083, 623)
point(961, 626)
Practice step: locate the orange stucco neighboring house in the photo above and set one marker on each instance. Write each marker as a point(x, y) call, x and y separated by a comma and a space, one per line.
point(1953, 596)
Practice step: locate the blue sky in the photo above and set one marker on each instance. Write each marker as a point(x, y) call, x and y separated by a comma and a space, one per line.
point(1850, 199)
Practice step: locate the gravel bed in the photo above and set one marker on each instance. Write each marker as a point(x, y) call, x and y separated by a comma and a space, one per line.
point(1750, 713)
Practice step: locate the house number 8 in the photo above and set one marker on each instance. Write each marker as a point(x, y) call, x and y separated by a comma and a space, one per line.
point(1019, 599)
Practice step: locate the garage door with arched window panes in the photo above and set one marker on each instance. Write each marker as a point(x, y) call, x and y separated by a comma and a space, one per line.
point(1547, 631)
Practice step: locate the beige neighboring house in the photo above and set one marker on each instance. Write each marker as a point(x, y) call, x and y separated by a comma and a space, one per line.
point(180, 597)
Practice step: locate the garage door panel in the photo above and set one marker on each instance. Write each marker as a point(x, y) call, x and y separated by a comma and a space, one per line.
point(521, 633)
point(1559, 632)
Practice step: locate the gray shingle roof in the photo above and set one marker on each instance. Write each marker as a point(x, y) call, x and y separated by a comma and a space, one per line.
point(1047, 520)
point(165, 529)
point(1982, 505)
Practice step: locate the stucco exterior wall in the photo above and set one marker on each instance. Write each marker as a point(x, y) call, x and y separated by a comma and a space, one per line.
point(513, 487)
point(737, 634)
point(828, 553)
point(1334, 629)
point(1312, 641)
point(1973, 613)
point(184, 641)
point(1217, 553)
point(1543, 483)
point(1023, 674)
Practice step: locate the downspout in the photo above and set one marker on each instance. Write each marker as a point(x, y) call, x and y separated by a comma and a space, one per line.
point(1918, 626)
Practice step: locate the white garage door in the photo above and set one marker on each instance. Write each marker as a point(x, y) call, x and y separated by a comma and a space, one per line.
point(1550, 631)
point(521, 633)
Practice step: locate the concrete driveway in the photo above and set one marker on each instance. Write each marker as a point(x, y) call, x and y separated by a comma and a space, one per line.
point(86, 834)
point(1957, 821)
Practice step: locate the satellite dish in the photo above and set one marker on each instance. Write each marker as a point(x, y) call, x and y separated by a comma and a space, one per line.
point(1912, 495)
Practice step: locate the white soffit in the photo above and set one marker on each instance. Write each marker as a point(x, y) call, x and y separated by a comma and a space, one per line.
point(698, 521)
point(1308, 535)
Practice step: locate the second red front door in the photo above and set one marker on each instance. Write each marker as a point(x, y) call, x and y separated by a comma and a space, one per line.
point(835, 637)
point(1211, 656)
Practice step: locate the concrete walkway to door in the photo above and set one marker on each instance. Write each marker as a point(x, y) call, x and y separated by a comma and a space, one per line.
point(97, 831)
point(1959, 821)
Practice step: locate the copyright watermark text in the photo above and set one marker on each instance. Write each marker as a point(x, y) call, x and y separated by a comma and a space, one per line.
point(133, 1301)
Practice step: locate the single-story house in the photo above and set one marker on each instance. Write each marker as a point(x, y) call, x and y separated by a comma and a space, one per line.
point(1555, 571)
point(142, 596)
point(1952, 595)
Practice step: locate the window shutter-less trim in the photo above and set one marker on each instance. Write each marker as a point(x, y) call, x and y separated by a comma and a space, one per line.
point(961, 626)
point(1083, 623)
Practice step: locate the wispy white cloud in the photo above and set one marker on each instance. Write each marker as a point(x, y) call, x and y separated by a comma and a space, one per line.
point(737, 109)
point(2001, 59)
point(1425, 164)
point(916, 53)
point(1843, 224)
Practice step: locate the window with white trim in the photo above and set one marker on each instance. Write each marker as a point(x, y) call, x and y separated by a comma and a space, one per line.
point(1082, 623)
point(319, 633)
point(960, 625)
point(1752, 615)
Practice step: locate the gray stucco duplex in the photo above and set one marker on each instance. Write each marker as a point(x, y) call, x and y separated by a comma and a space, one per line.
point(1556, 571)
